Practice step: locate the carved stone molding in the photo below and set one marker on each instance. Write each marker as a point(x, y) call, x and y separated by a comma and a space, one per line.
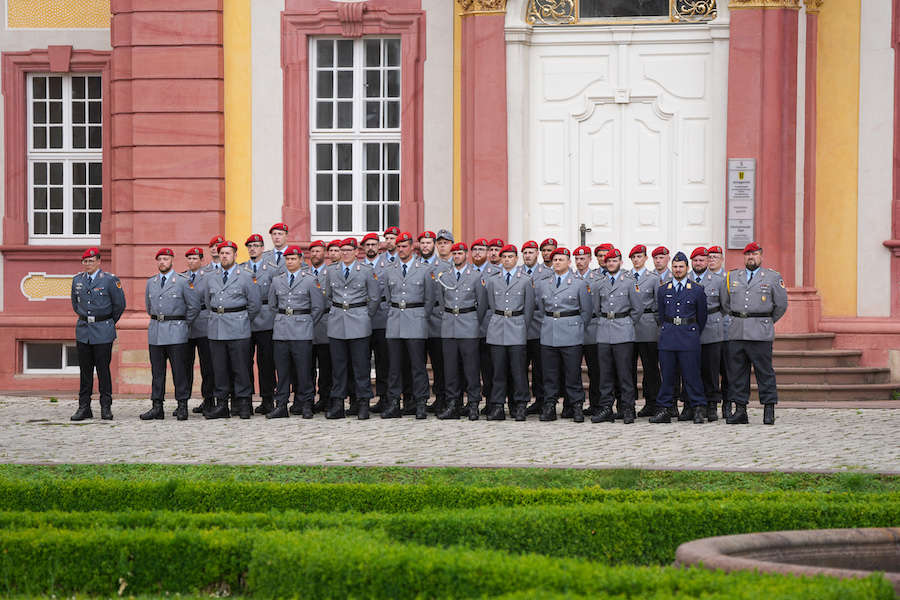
point(350, 14)
point(551, 12)
point(694, 10)
point(814, 6)
point(467, 7)
point(737, 4)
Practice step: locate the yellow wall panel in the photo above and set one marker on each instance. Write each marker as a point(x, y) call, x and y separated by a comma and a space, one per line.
point(238, 128)
point(57, 14)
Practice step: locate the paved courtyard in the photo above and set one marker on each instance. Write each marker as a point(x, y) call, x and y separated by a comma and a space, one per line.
point(36, 430)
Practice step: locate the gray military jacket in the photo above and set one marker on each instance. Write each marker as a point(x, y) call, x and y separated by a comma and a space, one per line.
point(278, 265)
point(265, 271)
point(435, 316)
point(200, 326)
point(591, 280)
point(664, 277)
point(240, 291)
point(297, 307)
point(379, 320)
point(714, 286)
point(176, 299)
point(509, 329)
point(456, 296)
point(101, 302)
point(647, 328)
point(539, 272)
point(486, 271)
point(558, 329)
point(417, 287)
point(321, 327)
point(354, 300)
point(765, 295)
point(619, 308)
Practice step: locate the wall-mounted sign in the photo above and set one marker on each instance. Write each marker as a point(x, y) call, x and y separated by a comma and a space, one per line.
point(741, 201)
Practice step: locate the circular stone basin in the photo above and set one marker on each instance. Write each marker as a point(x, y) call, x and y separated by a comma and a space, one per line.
point(834, 552)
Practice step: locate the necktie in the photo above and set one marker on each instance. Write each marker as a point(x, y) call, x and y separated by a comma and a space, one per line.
point(678, 287)
point(558, 280)
point(612, 280)
point(292, 280)
point(404, 269)
point(278, 258)
point(457, 275)
point(392, 258)
point(637, 276)
point(162, 282)
point(346, 272)
point(254, 268)
point(225, 278)
point(749, 279)
point(529, 271)
point(192, 276)
point(507, 279)
point(316, 271)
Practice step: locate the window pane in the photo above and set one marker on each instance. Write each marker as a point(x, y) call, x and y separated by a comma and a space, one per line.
point(373, 184)
point(56, 112)
point(324, 217)
point(325, 51)
point(79, 173)
point(79, 223)
point(345, 188)
point(345, 53)
point(56, 88)
point(40, 223)
point(96, 173)
point(94, 90)
point(94, 110)
point(345, 157)
point(79, 137)
point(95, 198)
point(56, 173)
point(44, 356)
point(372, 223)
point(345, 84)
point(78, 88)
point(39, 141)
point(345, 115)
point(323, 188)
point(56, 198)
point(78, 112)
point(623, 8)
point(94, 223)
point(39, 112)
point(345, 217)
point(71, 356)
point(56, 135)
point(40, 173)
point(56, 223)
point(373, 53)
point(373, 115)
point(95, 137)
point(325, 84)
point(324, 115)
point(393, 156)
point(393, 215)
point(323, 157)
point(393, 188)
point(393, 115)
point(393, 84)
point(373, 84)
point(373, 158)
point(79, 198)
point(393, 52)
point(40, 198)
point(39, 87)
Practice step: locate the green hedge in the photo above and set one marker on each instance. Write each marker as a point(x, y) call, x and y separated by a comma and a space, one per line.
point(339, 563)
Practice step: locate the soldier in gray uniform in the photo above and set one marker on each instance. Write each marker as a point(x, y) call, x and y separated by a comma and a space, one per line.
point(278, 232)
point(717, 265)
point(711, 339)
point(582, 257)
point(410, 295)
point(99, 302)
point(378, 342)
point(463, 304)
point(172, 308)
point(214, 265)
point(233, 302)
point(756, 298)
point(661, 264)
point(198, 342)
point(321, 354)
point(619, 306)
point(352, 290)
point(646, 330)
point(261, 328)
point(537, 272)
point(480, 263)
point(510, 297)
point(567, 306)
point(547, 247)
point(296, 297)
point(433, 346)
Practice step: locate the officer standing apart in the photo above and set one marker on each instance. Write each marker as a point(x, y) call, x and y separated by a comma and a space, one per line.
point(567, 307)
point(172, 309)
point(233, 302)
point(198, 342)
point(510, 296)
point(261, 327)
point(352, 290)
point(682, 315)
point(99, 302)
point(297, 300)
point(463, 304)
point(756, 299)
point(711, 344)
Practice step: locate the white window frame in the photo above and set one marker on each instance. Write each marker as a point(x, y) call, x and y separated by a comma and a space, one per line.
point(357, 136)
point(66, 155)
point(66, 368)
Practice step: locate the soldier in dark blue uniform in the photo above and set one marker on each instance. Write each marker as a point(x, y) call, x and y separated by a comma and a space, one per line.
point(682, 315)
point(99, 302)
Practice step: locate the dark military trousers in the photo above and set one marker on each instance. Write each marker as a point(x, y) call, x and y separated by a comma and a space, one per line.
point(461, 369)
point(436, 356)
point(742, 354)
point(200, 347)
point(261, 345)
point(91, 357)
point(648, 352)
point(321, 363)
point(593, 368)
point(509, 364)
point(537, 371)
point(710, 366)
point(723, 371)
point(174, 354)
point(293, 359)
point(379, 346)
point(345, 353)
point(231, 365)
point(616, 363)
point(562, 370)
point(681, 365)
point(409, 352)
point(487, 371)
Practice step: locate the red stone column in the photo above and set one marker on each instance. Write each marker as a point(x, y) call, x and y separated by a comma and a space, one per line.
point(167, 168)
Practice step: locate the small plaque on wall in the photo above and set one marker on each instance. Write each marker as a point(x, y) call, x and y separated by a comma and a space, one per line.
point(741, 201)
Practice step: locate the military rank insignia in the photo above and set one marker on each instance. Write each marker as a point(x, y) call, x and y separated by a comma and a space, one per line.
point(669, 287)
point(781, 282)
point(119, 284)
point(763, 298)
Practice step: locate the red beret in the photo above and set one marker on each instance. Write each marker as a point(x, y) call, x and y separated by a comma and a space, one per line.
point(349, 242)
point(480, 242)
point(370, 236)
point(291, 250)
point(195, 251)
point(316, 244)
point(549, 242)
point(614, 253)
point(392, 231)
point(227, 244)
point(91, 252)
point(496, 242)
point(335, 243)
point(404, 237)
point(508, 248)
point(164, 252)
point(563, 251)
point(639, 249)
point(715, 250)
point(602, 247)
point(699, 251)
point(278, 226)
point(427, 235)
point(255, 238)
point(660, 250)
point(530, 244)
point(582, 251)
point(216, 241)
point(459, 246)
point(752, 247)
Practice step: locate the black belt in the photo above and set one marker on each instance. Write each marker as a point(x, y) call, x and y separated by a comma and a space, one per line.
point(347, 305)
point(459, 311)
point(564, 313)
point(649, 310)
point(680, 320)
point(266, 301)
point(220, 310)
point(612, 315)
point(294, 311)
point(509, 313)
point(404, 304)
point(202, 307)
point(94, 319)
point(162, 318)
point(749, 315)
point(712, 311)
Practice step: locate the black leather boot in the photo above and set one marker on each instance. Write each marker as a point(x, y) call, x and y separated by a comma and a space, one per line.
point(673, 411)
point(297, 407)
point(321, 405)
point(307, 409)
point(497, 413)
point(521, 407)
point(203, 406)
point(473, 410)
point(649, 410)
point(739, 416)
point(712, 411)
point(604, 415)
point(661, 416)
point(219, 410)
point(727, 409)
point(407, 406)
point(181, 413)
point(280, 411)
point(567, 411)
point(83, 412)
point(379, 406)
point(362, 409)
point(769, 414)
point(698, 415)
point(628, 415)
point(451, 412)
point(549, 411)
point(155, 412)
point(422, 409)
point(534, 408)
point(391, 410)
point(353, 408)
point(577, 414)
point(336, 410)
point(687, 413)
point(106, 410)
point(265, 407)
point(245, 406)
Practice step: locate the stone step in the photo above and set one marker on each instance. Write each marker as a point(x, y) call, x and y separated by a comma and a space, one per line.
point(804, 341)
point(816, 358)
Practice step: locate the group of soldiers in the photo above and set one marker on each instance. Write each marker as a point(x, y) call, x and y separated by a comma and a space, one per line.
point(312, 323)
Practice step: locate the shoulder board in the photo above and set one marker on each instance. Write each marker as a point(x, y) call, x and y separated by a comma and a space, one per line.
point(688, 285)
point(569, 281)
point(669, 286)
point(358, 267)
point(441, 274)
point(265, 266)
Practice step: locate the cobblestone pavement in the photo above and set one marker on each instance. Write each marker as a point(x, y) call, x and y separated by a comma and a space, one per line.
point(37, 430)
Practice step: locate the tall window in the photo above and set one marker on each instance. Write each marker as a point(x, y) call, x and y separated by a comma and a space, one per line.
point(65, 150)
point(354, 135)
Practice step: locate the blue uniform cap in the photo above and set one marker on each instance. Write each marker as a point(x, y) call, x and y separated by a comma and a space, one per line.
point(680, 257)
